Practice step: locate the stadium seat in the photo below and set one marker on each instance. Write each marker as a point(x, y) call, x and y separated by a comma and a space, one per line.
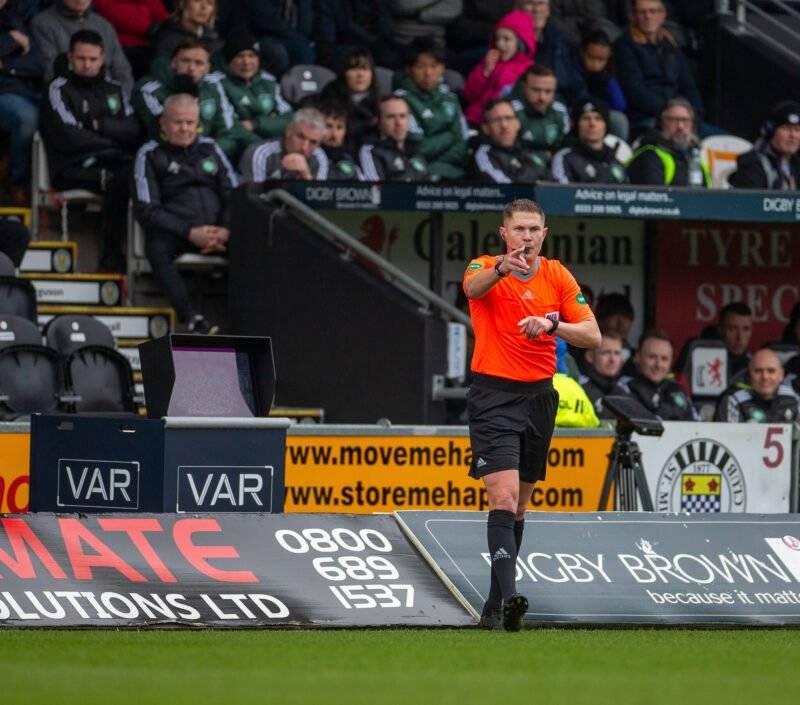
point(138, 263)
point(31, 381)
point(384, 77)
point(100, 380)
point(622, 150)
point(719, 154)
point(16, 330)
point(67, 333)
point(18, 296)
point(7, 268)
point(454, 81)
point(43, 195)
point(304, 80)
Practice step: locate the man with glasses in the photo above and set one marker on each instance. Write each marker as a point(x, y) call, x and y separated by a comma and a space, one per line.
point(500, 159)
point(671, 156)
point(651, 66)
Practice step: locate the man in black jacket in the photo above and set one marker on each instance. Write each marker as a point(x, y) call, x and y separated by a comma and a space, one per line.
point(589, 160)
point(765, 400)
point(393, 157)
point(90, 134)
point(600, 371)
point(500, 159)
point(774, 162)
point(653, 385)
point(181, 200)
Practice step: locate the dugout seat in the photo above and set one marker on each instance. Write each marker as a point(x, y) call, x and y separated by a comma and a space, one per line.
point(16, 330)
point(719, 154)
point(304, 80)
point(622, 150)
point(31, 381)
point(18, 296)
point(785, 352)
point(43, 196)
point(705, 370)
point(67, 333)
point(7, 268)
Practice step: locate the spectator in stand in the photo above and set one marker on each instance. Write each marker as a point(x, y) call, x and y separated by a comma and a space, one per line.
point(577, 18)
point(417, 19)
point(601, 370)
point(652, 68)
point(192, 19)
point(284, 29)
point(189, 72)
point(21, 69)
point(90, 134)
point(589, 159)
point(346, 25)
point(392, 157)
point(14, 239)
point(615, 315)
point(593, 67)
point(342, 164)
point(553, 50)
point(652, 384)
point(357, 87)
point(543, 125)
point(671, 155)
point(297, 155)
point(500, 159)
point(735, 329)
point(437, 123)
point(774, 162)
point(254, 94)
point(52, 29)
point(136, 22)
point(511, 55)
point(182, 186)
point(469, 35)
point(765, 400)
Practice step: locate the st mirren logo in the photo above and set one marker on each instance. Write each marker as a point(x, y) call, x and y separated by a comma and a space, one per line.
point(702, 476)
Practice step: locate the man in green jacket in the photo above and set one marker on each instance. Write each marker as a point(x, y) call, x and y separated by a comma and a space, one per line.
point(534, 100)
point(437, 125)
point(254, 94)
point(188, 71)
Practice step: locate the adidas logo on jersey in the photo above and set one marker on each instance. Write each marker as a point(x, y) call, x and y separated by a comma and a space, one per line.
point(528, 294)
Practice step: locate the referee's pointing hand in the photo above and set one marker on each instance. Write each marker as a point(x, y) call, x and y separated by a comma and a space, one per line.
point(534, 326)
point(515, 261)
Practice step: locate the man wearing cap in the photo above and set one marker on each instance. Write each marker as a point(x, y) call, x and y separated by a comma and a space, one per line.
point(670, 156)
point(254, 94)
point(500, 159)
point(589, 160)
point(773, 163)
point(765, 400)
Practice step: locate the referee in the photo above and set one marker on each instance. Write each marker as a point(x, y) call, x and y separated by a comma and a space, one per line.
point(518, 302)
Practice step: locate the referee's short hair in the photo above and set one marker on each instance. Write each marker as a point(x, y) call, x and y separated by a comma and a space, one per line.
point(522, 205)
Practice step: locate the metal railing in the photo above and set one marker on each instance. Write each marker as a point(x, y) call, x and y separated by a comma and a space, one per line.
point(774, 13)
point(333, 233)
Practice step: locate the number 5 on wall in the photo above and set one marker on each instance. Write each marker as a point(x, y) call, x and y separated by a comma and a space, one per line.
point(772, 443)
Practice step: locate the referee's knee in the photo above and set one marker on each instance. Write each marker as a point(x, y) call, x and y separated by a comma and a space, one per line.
point(506, 501)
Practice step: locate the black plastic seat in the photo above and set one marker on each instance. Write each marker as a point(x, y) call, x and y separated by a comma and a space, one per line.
point(101, 380)
point(16, 330)
point(18, 296)
point(69, 332)
point(7, 268)
point(31, 381)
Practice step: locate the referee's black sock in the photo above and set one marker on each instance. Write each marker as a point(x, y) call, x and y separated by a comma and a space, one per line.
point(495, 596)
point(502, 550)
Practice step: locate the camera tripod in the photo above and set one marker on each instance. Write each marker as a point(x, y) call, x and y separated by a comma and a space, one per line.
point(626, 473)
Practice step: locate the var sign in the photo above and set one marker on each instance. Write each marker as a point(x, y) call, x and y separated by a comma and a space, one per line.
point(222, 488)
point(98, 484)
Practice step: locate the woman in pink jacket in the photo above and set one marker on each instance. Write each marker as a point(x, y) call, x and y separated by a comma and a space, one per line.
point(512, 53)
point(135, 22)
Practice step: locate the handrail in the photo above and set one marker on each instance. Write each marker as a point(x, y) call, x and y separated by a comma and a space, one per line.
point(742, 8)
point(395, 275)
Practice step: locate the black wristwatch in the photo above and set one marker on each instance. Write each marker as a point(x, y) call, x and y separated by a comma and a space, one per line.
point(555, 325)
point(497, 268)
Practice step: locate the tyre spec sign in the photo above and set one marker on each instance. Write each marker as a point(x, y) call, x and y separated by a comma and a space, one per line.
point(237, 570)
point(630, 568)
point(719, 467)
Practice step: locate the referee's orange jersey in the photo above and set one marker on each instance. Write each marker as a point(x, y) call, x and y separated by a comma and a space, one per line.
point(500, 349)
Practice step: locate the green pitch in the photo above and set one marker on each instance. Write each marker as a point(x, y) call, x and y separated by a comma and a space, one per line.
point(410, 667)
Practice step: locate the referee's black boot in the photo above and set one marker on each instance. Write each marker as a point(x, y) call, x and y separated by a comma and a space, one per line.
point(514, 609)
point(490, 617)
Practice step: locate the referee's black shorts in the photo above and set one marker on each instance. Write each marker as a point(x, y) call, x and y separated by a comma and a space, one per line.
point(510, 425)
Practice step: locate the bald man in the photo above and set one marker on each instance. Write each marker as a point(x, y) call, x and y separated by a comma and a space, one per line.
point(765, 400)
